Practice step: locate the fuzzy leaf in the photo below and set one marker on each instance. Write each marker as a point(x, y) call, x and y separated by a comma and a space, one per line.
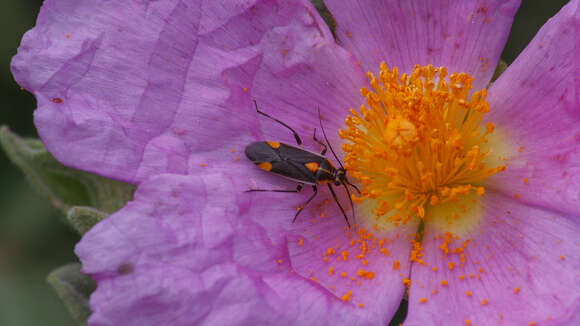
point(74, 289)
point(65, 187)
point(82, 218)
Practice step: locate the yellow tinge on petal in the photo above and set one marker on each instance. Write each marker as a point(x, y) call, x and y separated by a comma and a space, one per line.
point(418, 143)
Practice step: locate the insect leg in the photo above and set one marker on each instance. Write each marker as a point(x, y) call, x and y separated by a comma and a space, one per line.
point(339, 206)
point(315, 189)
point(298, 189)
point(324, 148)
point(296, 136)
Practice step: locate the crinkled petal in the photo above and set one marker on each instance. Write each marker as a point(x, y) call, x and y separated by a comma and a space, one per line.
point(521, 266)
point(130, 89)
point(535, 105)
point(464, 36)
point(196, 250)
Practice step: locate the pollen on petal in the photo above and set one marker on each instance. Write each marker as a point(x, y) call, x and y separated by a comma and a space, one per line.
point(347, 296)
point(396, 264)
point(365, 274)
point(451, 265)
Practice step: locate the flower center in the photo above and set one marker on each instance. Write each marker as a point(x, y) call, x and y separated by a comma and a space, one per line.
point(418, 142)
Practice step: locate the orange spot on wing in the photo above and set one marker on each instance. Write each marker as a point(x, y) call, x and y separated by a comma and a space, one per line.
point(266, 166)
point(273, 144)
point(312, 166)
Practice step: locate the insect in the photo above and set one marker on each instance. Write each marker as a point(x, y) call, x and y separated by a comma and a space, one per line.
point(300, 165)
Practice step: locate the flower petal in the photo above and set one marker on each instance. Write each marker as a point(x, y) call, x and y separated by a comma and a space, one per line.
point(194, 250)
point(535, 104)
point(464, 36)
point(520, 266)
point(369, 266)
point(132, 89)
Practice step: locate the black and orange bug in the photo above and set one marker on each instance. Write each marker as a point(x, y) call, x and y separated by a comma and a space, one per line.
point(300, 165)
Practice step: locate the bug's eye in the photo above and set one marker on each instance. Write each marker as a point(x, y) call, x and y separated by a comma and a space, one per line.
point(337, 183)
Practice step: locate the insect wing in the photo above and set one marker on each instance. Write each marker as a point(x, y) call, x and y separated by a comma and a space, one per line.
point(285, 160)
point(299, 164)
point(261, 152)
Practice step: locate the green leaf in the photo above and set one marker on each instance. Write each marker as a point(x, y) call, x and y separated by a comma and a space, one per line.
point(83, 218)
point(65, 187)
point(74, 289)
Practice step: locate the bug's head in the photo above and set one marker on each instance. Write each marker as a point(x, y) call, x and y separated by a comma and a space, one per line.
point(340, 177)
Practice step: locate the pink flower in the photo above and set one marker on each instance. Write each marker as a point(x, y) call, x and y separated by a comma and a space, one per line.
point(158, 93)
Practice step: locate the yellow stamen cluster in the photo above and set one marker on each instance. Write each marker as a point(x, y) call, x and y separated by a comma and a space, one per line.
point(418, 141)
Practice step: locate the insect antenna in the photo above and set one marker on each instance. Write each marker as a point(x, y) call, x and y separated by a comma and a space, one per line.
point(351, 204)
point(342, 167)
point(326, 139)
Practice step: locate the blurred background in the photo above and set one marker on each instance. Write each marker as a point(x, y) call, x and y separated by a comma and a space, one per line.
point(33, 239)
